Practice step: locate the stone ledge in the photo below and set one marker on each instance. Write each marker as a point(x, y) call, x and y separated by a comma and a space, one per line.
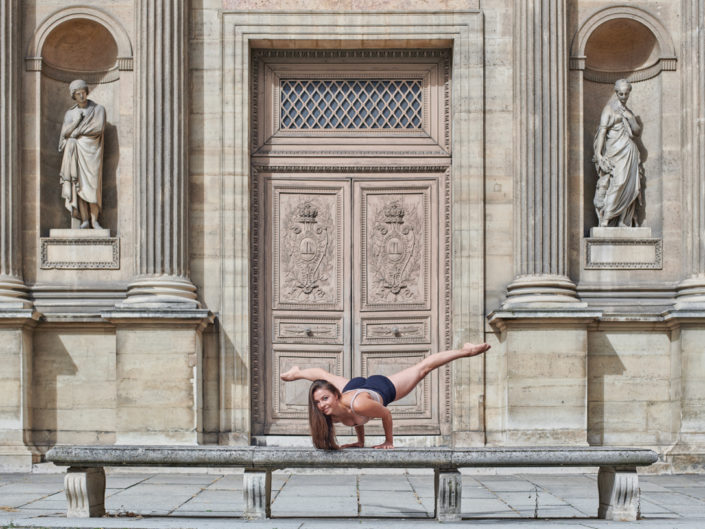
point(274, 458)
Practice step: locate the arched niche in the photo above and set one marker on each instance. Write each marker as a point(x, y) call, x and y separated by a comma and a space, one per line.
point(89, 44)
point(77, 43)
point(622, 42)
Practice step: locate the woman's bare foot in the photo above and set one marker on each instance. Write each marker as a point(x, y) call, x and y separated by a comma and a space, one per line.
point(471, 349)
point(290, 375)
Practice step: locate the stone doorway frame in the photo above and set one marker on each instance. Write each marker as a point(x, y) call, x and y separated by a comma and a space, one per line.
point(463, 32)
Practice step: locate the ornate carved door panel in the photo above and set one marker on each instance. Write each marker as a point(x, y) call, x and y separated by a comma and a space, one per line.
point(307, 290)
point(350, 285)
point(395, 263)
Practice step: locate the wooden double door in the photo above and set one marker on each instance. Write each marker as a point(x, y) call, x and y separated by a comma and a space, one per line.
point(352, 272)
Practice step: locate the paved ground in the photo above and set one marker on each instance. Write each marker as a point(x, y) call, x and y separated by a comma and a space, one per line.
point(360, 500)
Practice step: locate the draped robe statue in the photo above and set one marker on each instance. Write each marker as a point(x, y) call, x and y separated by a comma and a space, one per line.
point(81, 140)
point(617, 161)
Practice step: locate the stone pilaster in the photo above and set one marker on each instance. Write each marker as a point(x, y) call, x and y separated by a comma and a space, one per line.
point(162, 179)
point(540, 141)
point(12, 289)
point(688, 313)
point(691, 291)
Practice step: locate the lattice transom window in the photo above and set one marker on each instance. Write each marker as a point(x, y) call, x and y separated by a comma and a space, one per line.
point(386, 102)
point(347, 104)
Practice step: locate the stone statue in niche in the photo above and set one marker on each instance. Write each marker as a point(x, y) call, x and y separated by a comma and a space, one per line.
point(81, 141)
point(618, 161)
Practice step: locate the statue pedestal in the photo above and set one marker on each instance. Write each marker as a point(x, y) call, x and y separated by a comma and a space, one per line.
point(623, 249)
point(77, 249)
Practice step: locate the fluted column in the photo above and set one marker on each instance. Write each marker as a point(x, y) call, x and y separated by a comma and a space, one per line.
point(540, 139)
point(163, 157)
point(12, 289)
point(691, 292)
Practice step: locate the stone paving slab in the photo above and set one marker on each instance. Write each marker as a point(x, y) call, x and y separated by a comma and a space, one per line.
point(307, 500)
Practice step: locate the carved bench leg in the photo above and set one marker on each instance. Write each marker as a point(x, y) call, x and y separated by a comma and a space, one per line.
point(449, 488)
point(257, 493)
point(619, 494)
point(85, 492)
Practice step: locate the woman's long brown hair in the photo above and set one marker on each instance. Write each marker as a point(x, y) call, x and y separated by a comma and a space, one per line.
point(322, 429)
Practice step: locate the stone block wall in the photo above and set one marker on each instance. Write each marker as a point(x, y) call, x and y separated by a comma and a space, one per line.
point(73, 386)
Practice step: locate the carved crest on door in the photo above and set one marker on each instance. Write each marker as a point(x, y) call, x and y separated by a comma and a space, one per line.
point(395, 247)
point(307, 259)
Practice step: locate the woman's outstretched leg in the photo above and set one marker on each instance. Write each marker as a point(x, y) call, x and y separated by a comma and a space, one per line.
point(406, 380)
point(314, 373)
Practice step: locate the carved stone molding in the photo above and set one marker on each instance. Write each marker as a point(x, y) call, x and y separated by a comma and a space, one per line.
point(97, 253)
point(623, 254)
point(350, 168)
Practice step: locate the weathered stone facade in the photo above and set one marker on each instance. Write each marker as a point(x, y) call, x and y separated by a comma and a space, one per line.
point(175, 335)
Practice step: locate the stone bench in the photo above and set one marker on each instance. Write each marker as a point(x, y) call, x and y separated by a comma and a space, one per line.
point(617, 481)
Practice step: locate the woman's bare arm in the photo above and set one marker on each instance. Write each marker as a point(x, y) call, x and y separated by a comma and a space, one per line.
point(360, 431)
point(370, 408)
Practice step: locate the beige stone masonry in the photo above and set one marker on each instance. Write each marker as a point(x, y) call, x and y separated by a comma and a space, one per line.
point(159, 379)
point(16, 451)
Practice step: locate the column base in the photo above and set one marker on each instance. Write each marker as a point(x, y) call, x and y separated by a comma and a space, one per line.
point(18, 458)
point(687, 456)
point(161, 292)
point(539, 291)
point(13, 294)
point(691, 294)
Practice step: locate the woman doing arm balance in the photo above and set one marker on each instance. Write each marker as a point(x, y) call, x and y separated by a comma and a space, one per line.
point(335, 399)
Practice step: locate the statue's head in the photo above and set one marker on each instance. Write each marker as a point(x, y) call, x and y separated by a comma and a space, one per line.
point(622, 88)
point(75, 86)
